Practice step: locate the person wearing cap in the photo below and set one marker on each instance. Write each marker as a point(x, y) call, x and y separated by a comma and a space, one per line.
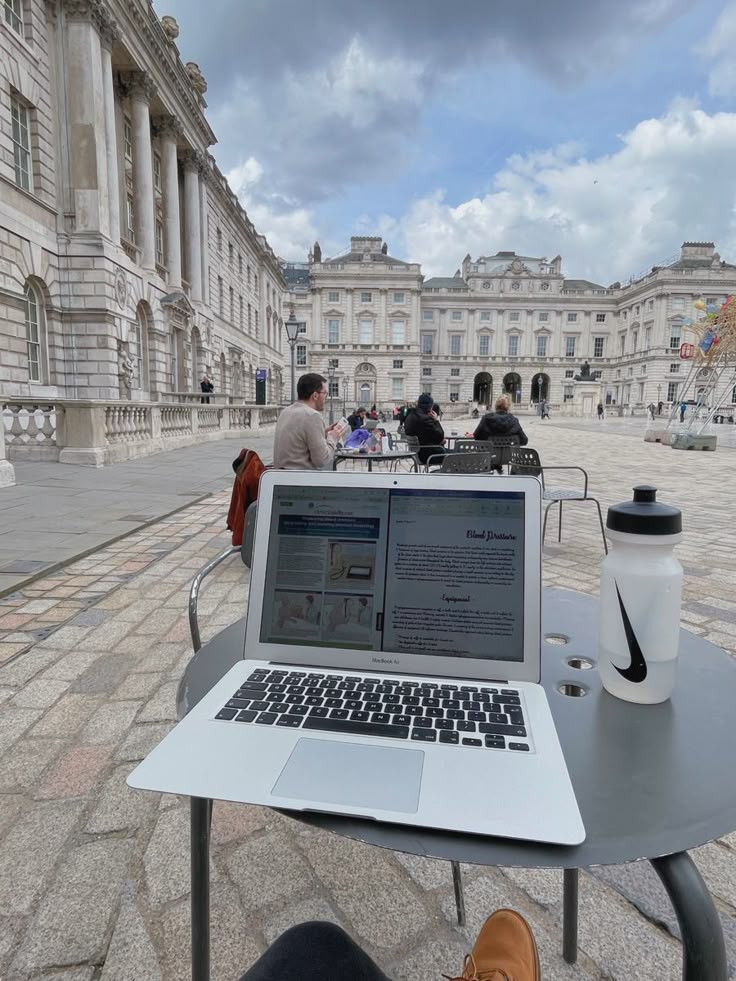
point(423, 423)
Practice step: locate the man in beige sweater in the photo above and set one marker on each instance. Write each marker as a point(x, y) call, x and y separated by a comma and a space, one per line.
point(301, 441)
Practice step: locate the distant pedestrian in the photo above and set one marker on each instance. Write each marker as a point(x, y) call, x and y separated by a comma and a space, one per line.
point(660, 406)
point(206, 386)
point(651, 407)
point(683, 410)
point(601, 412)
point(544, 407)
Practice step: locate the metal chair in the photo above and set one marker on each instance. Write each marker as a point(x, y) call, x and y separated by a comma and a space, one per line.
point(525, 461)
point(465, 462)
point(473, 445)
point(502, 445)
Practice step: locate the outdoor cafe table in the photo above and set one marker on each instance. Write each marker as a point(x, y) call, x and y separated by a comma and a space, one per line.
point(389, 456)
point(652, 781)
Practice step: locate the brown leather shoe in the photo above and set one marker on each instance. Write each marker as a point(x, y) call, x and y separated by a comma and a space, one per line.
point(504, 951)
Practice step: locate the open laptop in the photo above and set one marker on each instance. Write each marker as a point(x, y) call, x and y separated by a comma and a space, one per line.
point(391, 665)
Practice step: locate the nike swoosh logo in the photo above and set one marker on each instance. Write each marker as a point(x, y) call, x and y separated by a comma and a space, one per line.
point(637, 670)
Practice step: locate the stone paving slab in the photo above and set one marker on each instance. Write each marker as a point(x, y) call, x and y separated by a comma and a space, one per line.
point(93, 875)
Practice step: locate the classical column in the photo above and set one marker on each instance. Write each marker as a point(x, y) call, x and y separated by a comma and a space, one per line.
point(349, 338)
point(204, 248)
point(86, 113)
point(319, 328)
point(142, 90)
point(108, 35)
point(168, 131)
point(192, 225)
point(383, 333)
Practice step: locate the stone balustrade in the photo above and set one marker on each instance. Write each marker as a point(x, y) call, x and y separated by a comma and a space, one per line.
point(96, 433)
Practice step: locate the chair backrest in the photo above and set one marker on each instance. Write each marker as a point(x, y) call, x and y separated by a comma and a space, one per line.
point(468, 462)
point(503, 445)
point(412, 442)
point(249, 530)
point(525, 461)
point(473, 445)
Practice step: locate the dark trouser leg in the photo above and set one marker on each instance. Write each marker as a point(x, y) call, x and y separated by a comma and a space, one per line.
point(315, 952)
point(200, 811)
point(570, 915)
point(703, 949)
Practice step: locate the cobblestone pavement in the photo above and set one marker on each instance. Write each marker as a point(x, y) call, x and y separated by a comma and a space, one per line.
point(94, 876)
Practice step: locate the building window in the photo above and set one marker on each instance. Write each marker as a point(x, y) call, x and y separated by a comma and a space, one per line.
point(230, 253)
point(255, 283)
point(542, 346)
point(636, 310)
point(399, 298)
point(733, 395)
point(454, 372)
point(34, 334)
point(622, 344)
point(485, 315)
point(220, 297)
point(256, 321)
point(157, 173)
point(249, 277)
point(427, 344)
point(457, 315)
point(137, 352)
point(398, 332)
point(333, 331)
point(232, 305)
point(333, 296)
point(544, 318)
point(600, 318)
point(426, 372)
point(484, 343)
point(301, 355)
point(454, 393)
point(569, 373)
point(642, 369)
point(159, 243)
point(14, 15)
point(675, 336)
point(678, 302)
point(672, 389)
point(629, 371)
point(240, 305)
point(599, 346)
point(650, 304)
point(515, 317)
point(675, 368)
point(21, 144)
point(398, 363)
point(428, 315)
point(127, 139)
point(219, 239)
point(397, 388)
point(647, 338)
point(130, 219)
point(572, 318)
point(618, 373)
point(333, 388)
point(302, 328)
point(567, 393)
point(513, 345)
point(626, 314)
point(366, 297)
point(456, 341)
point(366, 331)
point(570, 347)
point(634, 339)
point(240, 264)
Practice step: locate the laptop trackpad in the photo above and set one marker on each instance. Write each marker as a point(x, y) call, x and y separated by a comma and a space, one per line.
point(378, 778)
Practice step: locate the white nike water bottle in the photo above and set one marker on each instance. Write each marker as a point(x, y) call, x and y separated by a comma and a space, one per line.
point(641, 589)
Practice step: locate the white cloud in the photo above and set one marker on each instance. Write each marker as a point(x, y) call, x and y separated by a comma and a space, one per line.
point(609, 216)
point(719, 48)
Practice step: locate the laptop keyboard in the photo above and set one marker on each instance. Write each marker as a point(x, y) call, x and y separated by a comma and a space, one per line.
point(427, 712)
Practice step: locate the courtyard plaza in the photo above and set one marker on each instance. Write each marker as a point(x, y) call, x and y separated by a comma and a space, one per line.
point(94, 877)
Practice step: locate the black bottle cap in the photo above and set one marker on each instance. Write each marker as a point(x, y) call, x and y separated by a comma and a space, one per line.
point(645, 515)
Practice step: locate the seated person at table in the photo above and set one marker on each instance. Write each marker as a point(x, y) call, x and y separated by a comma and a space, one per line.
point(423, 423)
point(357, 419)
point(500, 423)
point(504, 951)
point(301, 441)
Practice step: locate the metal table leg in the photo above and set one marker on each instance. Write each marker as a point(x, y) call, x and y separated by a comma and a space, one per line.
point(703, 949)
point(457, 881)
point(570, 879)
point(200, 811)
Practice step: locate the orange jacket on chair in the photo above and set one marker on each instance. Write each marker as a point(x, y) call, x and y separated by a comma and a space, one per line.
point(245, 491)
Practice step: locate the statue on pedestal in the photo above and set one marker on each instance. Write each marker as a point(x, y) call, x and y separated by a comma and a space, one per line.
point(126, 371)
point(584, 375)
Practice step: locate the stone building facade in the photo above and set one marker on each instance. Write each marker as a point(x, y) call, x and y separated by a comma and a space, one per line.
point(503, 323)
point(127, 265)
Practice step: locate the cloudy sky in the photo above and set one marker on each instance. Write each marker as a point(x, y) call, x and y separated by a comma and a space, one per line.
point(605, 132)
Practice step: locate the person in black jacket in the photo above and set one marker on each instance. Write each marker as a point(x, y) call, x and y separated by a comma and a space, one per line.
point(423, 423)
point(357, 419)
point(500, 423)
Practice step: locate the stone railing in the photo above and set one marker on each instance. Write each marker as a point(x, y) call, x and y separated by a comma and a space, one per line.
point(96, 433)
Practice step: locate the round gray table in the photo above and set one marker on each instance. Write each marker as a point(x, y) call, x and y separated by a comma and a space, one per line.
point(651, 781)
point(390, 456)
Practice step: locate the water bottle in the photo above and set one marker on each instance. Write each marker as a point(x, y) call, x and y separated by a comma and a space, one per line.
point(641, 589)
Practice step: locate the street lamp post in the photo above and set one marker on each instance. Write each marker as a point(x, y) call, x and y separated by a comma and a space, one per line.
point(344, 392)
point(292, 326)
point(330, 380)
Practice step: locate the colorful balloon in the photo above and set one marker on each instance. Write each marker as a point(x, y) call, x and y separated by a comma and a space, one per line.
point(699, 304)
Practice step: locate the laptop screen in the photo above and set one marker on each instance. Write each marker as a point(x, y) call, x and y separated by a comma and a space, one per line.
point(434, 572)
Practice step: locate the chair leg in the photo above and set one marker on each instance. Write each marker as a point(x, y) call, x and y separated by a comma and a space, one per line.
point(559, 526)
point(570, 915)
point(457, 881)
point(600, 522)
point(544, 522)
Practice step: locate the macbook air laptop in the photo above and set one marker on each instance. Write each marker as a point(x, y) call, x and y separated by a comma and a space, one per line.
point(407, 693)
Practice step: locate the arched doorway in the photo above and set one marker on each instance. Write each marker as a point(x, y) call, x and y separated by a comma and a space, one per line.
point(539, 387)
point(512, 386)
point(483, 388)
point(365, 384)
